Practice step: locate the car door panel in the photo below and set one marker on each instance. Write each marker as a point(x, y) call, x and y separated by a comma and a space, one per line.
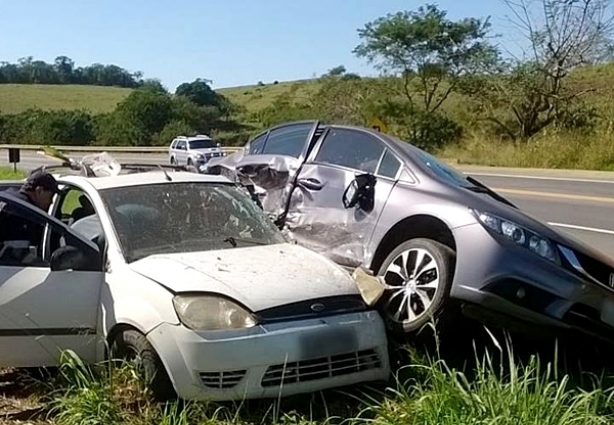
point(43, 311)
point(318, 219)
point(317, 216)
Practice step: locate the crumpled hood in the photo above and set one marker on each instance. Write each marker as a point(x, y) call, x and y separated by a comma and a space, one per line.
point(259, 277)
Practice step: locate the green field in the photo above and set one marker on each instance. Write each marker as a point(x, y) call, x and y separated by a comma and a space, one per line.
point(15, 98)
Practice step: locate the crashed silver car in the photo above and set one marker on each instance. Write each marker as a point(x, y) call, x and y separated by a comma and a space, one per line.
point(435, 236)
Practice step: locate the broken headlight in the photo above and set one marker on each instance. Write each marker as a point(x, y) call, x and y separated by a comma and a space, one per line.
point(521, 236)
point(211, 313)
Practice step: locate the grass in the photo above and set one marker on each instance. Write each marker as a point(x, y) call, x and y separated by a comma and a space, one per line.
point(7, 173)
point(255, 97)
point(499, 388)
point(15, 98)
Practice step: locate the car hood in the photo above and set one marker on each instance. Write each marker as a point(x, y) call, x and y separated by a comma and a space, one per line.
point(485, 203)
point(259, 277)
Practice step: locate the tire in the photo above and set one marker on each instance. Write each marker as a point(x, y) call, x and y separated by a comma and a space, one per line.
point(132, 346)
point(189, 164)
point(443, 258)
point(173, 161)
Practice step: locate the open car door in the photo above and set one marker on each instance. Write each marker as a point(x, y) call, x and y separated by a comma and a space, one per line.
point(47, 304)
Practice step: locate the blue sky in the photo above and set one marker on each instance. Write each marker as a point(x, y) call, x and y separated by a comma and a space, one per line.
point(233, 42)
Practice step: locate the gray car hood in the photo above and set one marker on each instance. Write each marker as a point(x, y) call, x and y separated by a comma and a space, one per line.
point(259, 277)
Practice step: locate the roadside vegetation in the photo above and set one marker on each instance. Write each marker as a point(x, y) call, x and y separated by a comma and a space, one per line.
point(497, 388)
point(445, 85)
point(7, 173)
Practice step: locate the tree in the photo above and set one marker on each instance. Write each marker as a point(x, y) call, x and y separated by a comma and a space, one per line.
point(199, 92)
point(147, 113)
point(431, 52)
point(533, 90)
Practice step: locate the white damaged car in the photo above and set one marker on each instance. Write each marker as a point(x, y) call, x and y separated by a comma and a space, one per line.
point(185, 271)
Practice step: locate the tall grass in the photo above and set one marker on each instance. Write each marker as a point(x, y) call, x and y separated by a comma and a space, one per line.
point(548, 150)
point(497, 389)
point(512, 393)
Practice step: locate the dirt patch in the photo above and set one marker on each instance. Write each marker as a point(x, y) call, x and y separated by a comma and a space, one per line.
point(19, 398)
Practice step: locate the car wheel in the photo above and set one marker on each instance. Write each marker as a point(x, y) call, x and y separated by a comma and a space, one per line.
point(172, 161)
point(133, 347)
point(189, 162)
point(423, 270)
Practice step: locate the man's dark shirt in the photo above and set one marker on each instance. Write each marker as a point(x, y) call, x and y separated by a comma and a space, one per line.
point(13, 227)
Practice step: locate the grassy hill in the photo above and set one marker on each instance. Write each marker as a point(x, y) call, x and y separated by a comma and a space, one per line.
point(255, 97)
point(16, 98)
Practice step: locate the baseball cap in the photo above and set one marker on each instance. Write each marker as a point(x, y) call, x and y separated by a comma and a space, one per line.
point(42, 179)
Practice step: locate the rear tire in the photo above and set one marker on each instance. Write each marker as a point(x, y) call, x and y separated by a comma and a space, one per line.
point(132, 346)
point(423, 288)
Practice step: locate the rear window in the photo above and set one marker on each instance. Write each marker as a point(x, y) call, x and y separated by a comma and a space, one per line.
point(202, 144)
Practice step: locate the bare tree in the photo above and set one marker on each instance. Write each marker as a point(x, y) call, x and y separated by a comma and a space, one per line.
point(562, 36)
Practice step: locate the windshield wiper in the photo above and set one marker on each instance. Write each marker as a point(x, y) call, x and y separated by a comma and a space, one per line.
point(479, 187)
point(233, 241)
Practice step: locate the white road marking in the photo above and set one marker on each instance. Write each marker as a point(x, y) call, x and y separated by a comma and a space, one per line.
point(520, 176)
point(587, 229)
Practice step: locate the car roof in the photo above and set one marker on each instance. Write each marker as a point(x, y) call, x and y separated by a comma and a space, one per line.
point(144, 178)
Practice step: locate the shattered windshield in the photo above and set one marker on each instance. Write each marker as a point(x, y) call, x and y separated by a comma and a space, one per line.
point(186, 217)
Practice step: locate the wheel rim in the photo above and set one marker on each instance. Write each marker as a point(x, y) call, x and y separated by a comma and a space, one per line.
point(414, 278)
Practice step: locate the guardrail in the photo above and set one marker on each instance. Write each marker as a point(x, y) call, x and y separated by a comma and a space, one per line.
point(121, 149)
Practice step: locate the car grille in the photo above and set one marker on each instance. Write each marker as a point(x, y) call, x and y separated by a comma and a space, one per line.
point(321, 368)
point(318, 307)
point(222, 380)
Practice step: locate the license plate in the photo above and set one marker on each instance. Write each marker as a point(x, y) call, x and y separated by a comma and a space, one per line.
point(328, 342)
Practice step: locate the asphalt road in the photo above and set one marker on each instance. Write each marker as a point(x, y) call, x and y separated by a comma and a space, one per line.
point(578, 202)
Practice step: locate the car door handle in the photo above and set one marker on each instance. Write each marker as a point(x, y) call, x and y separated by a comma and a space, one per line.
point(310, 184)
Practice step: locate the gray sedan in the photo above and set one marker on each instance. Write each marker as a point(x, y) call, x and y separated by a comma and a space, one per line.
point(363, 198)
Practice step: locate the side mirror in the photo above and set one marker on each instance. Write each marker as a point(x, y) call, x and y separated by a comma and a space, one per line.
point(360, 191)
point(71, 258)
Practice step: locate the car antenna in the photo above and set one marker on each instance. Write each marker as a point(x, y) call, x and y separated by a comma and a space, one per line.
point(168, 178)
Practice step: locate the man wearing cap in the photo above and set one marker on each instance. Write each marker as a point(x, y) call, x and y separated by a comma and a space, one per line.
point(38, 190)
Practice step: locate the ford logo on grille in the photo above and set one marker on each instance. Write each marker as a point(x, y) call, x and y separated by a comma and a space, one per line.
point(317, 307)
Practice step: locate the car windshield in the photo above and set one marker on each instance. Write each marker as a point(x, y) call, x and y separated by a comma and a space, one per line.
point(440, 169)
point(186, 217)
point(202, 144)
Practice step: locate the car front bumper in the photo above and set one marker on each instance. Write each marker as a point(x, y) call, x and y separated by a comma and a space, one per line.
point(506, 285)
point(270, 360)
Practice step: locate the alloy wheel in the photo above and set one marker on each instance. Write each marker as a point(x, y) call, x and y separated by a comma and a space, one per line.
point(413, 280)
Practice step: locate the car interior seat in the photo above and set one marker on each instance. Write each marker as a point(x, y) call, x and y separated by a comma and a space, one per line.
point(84, 210)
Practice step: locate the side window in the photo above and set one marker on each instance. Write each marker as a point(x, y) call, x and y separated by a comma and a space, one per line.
point(21, 239)
point(181, 145)
point(255, 146)
point(74, 206)
point(173, 144)
point(288, 140)
point(351, 149)
point(390, 165)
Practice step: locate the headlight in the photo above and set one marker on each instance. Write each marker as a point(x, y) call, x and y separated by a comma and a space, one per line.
point(521, 236)
point(211, 313)
point(198, 155)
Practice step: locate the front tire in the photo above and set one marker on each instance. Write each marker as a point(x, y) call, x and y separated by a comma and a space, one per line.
point(132, 346)
point(423, 270)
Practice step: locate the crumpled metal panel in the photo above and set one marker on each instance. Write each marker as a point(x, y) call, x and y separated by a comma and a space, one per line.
point(335, 232)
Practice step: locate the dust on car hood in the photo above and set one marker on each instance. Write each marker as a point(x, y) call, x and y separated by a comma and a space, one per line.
point(260, 277)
